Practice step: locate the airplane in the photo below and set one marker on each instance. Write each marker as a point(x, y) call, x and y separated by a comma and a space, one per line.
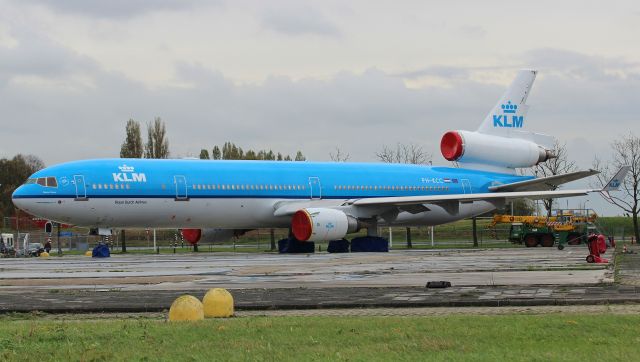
point(317, 201)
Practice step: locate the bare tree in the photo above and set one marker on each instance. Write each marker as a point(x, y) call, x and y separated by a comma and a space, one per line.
point(338, 156)
point(157, 142)
point(555, 166)
point(626, 152)
point(132, 146)
point(404, 153)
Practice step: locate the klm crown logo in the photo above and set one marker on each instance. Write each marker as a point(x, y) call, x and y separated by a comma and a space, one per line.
point(125, 168)
point(509, 108)
point(508, 119)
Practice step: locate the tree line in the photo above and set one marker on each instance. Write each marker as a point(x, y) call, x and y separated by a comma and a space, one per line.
point(230, 151)
point(157, 146)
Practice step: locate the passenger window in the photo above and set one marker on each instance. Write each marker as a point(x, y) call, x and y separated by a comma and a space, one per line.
point(94, 186)
point(128, 187)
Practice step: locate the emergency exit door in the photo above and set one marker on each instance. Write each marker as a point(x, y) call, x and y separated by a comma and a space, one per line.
point(81, 188)
point(315, 187)
point(181, 188)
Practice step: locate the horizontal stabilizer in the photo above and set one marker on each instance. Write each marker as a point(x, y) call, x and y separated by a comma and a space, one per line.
point(543, 183)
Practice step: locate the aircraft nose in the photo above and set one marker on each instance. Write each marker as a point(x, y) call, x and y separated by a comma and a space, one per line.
point(18, 197)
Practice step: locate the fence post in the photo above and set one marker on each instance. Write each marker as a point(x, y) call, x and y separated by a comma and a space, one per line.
point(475, 232)
point(273, 239)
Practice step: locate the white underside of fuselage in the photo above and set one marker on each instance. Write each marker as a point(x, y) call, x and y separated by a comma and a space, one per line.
point(226, 213)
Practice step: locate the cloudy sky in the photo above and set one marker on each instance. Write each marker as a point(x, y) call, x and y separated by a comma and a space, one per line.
point(309, 75)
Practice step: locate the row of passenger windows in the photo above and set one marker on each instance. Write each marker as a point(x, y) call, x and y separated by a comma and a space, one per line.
point(261, 187)
point(110, 186)
point(337, 187)
point(391, 188)
point(249, 187)
point(43, 181)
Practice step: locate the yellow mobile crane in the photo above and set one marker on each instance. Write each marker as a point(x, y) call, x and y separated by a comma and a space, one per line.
point(566, 227)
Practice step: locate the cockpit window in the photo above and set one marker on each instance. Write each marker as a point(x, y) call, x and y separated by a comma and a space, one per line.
point(52, 182)
point(43, 181)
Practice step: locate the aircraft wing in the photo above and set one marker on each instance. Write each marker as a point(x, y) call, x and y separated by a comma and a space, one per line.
point(543, 183)
point(415, 204)
point(410, 203)
point(436, 199)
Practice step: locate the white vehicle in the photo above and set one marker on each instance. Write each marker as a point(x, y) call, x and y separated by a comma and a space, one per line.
point(6, 244)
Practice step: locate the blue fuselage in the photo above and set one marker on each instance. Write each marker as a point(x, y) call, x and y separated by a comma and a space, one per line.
point(181, 193)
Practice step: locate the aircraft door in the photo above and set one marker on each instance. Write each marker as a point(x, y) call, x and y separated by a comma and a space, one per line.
point(315, 187)
point(181, 188)
point(466, 186)
point(81, 188)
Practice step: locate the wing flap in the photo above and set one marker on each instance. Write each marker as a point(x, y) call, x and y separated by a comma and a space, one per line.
point(439, 199)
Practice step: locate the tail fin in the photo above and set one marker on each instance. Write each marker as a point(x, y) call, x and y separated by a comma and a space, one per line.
point(508, 116)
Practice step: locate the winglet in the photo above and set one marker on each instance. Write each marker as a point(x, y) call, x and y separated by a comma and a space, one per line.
point(616, 181)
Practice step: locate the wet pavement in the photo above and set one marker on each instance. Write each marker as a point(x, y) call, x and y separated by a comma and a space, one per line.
point(146, 283)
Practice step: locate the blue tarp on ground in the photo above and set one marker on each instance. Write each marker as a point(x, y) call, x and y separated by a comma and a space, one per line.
point(369, 244)
point(101, 251)
point(292, 245)
point(338, 246)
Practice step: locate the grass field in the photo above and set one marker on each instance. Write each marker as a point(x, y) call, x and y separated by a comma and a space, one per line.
point(568, 337)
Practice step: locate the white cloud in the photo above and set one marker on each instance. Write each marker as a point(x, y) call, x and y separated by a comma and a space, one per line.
point(296, 18)
point(114, 9)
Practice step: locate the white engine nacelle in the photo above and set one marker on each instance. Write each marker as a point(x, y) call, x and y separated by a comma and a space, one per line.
point(479, 148)
point(317, 224)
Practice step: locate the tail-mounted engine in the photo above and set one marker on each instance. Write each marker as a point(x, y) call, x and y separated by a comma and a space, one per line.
point(485, 149)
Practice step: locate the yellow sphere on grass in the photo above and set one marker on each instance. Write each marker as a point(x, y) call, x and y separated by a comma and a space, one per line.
point(218, 303)
point(44, 254)
point(186, 308)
